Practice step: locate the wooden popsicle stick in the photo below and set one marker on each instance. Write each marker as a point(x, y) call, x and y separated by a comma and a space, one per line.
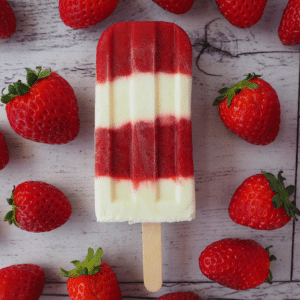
point(152, 256)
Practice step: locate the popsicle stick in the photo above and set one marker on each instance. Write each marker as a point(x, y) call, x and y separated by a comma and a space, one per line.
point(152, 256)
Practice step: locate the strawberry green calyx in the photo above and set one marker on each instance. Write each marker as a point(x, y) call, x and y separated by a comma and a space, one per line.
point(282, 194)
point(10, 217)
point(230, 92)
point(272, 258)
point(90, 266)
point(19, 88)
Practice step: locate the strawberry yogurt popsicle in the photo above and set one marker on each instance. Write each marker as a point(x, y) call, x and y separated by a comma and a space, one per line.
point(143, 135)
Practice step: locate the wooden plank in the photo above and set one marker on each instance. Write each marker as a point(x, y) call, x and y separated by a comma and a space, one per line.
point(206, 290)
point(222, 160)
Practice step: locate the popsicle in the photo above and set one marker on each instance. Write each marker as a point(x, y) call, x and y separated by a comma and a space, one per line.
point(143, 134)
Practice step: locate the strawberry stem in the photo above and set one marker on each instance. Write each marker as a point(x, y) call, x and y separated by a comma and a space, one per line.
point(19, 88)
point(230, 92)
point(90, 266)
point(282, 194)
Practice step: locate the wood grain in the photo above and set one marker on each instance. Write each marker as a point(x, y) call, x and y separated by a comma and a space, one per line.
point(222, 54)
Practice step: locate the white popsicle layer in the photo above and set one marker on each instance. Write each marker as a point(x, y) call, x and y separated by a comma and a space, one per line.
point(164, 201)
point(142, 96)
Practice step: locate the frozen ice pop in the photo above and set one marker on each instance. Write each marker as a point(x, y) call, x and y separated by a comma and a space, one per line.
point(143, 135)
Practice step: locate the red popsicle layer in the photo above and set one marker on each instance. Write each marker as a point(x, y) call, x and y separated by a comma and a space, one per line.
point(132, 47)
point(145, 150)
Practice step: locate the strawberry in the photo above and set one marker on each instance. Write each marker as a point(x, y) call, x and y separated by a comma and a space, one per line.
point(8, 22)
point(262, 202)
point(289, 28)
point(242, 13)
point(250, 109)
point(38, 207)
point(180, 296)
point(44, 110)
point(92, 279)
point(175, 6)
point(22, 282)
point(236, 263)
point(85, 13)
point(4, 154)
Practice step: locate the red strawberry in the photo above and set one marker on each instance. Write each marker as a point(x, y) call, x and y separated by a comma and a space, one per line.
point(38, 206)
point(180, 296)
point(4, 154)
point(262, 202)
point(92, 279)
point(85, 13)
point(236, 263)
point(22, 282)
point(289, 28)
point(250, 109)
point(242, 13)
point(175, 6)
point(43, 110)
point(7, 20)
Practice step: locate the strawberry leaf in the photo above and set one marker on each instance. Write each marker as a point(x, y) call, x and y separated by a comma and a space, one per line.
point(96, 270)
point(31, 77)
point(288, 209)
point(290, 189)
point(218, 100)
point(251, 76)
point(276, 201)
point(272, 181)
point(44, 74)
point(270, 278)
point(223, 90)
point(75, 262)
point(10, 217)
point(98, 255)
point(282, 194)
point(39, 69)
point(90, 266)
point(10, 201)
point(230, 92)
point(294, 211)
point(21, 88)
point(280, 178)
point(6, 98)
point(90, 254)
point(229, 98)
point(271, 258)
point(252, 85)
point(248, 77)
point(237, 91)
point(84, 271)
point(12, 90)
point(64, 272)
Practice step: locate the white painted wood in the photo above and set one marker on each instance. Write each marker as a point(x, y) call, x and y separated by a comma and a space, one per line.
point(222, 160)
point(206, 290)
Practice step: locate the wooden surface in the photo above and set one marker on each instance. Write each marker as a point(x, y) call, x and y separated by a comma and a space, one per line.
point(222, 55)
